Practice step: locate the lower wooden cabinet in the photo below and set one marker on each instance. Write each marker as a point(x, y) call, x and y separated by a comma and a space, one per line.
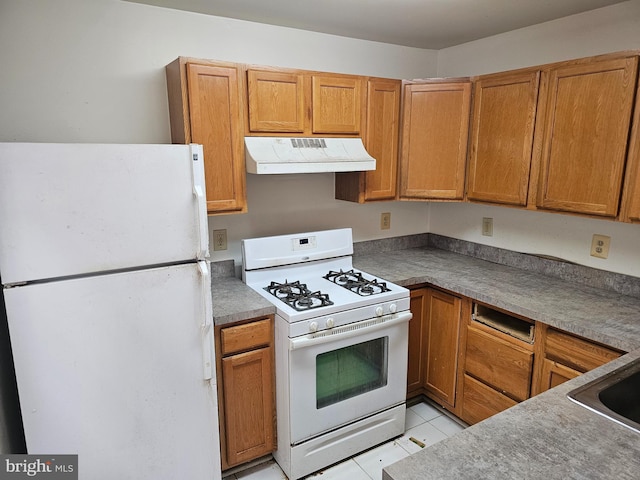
point(476, 360)
point(434, 333)
point(565, 356)
point(246, 391)
point(498, 363)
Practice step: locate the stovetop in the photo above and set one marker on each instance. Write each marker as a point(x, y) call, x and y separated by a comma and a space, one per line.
point(304, 291)
point(309, 278)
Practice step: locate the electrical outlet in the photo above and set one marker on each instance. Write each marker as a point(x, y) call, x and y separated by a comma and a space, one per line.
point(219, 240)
point(600, 246)
point(487, 227)
point(385, 221)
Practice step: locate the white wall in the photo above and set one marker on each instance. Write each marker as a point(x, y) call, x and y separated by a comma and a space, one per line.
point(93, 71)
point(604, 30)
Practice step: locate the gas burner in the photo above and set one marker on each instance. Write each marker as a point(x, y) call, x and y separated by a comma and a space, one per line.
point(355, 281)
point(297, 295)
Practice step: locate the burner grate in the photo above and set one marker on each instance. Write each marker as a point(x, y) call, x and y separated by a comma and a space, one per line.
point(298, 296)
point(355, 282)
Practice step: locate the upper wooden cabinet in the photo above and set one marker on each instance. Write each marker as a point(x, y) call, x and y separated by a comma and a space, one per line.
point(305, 103)
point(205, 108)
point(277, 102)
point(588, 116)
point(502, 132)
point(435, 123)
point(337, 104)
point(381, 141)
point(630, 209)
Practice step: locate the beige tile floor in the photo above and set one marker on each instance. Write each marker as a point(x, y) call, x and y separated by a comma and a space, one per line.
point(424, 422)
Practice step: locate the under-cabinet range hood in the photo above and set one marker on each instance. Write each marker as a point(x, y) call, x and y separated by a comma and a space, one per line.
point(277, 155)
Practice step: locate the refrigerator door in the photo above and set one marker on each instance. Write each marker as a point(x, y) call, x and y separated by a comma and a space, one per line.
point(110, 368)
point(73, 209)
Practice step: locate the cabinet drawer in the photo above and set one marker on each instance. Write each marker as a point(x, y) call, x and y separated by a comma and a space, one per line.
point(245, 337)
point(578, 353)
point(480, 401)
point(504, 366)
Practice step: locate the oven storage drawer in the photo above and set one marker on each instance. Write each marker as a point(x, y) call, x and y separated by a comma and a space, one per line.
point(480, 401)
point(502, 365)
point(245, 337)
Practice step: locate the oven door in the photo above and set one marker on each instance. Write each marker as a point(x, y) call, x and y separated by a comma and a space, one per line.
point(341, 375)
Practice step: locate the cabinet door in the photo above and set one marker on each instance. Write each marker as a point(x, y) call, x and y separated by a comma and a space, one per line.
point(416, 343)
point(435, 125)
point(381, 141)
point(248, 400)
point(215, 120)
point(504, 111)
point(554, 373)
point(337, 104)
point(442, 328)
point(588, 115)
point(276, 101)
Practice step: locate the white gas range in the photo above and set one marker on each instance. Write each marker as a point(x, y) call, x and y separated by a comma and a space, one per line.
point(341, 347)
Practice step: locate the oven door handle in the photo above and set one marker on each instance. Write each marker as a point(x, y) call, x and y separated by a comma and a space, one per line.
point(348, 331)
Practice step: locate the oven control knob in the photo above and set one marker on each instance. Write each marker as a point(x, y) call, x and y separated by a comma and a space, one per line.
point(393, 308)
point(313, 327)
point(330, 322)
point(379, 311)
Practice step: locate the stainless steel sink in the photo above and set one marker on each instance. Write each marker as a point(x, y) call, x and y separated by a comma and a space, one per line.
point(616, 395)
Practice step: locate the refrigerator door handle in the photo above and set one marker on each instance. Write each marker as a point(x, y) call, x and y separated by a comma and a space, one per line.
point(207, 323)
point(197, 174)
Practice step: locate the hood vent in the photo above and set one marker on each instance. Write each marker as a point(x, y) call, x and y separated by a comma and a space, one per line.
point(275, 155)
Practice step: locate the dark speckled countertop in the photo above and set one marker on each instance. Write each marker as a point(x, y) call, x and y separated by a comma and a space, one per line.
point(601, 315)
point(546, 437)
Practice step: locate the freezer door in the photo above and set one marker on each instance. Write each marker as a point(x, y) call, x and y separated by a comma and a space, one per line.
point(72, 209)
point(111, 368)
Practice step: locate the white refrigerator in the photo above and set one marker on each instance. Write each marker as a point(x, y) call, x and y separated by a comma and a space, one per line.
point(105, 276)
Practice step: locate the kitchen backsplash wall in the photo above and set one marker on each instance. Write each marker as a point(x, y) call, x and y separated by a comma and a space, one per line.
point(544, 265)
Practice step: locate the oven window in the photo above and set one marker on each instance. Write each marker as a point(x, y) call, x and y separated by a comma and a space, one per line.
point(351, 371)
